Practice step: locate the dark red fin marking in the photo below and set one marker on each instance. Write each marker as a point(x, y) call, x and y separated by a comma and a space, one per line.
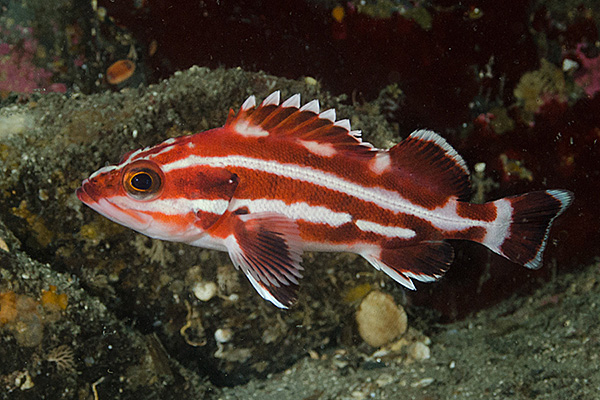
point(427, 158)
point(214, 183)
point(268, 248)
point(424, 261)
point(303, 123)
point(531, 219)
point(210, 183)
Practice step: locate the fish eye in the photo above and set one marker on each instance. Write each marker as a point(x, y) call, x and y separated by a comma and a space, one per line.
point(142, 180)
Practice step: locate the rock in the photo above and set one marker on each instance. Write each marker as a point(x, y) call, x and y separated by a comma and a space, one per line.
point(379, 319)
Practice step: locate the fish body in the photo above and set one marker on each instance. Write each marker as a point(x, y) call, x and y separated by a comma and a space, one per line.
point(280, 179)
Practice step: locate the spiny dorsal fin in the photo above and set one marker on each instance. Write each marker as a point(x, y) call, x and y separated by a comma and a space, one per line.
point(427, 158)
point(304, 123)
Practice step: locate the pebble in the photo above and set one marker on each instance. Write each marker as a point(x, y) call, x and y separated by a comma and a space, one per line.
point(204, 291)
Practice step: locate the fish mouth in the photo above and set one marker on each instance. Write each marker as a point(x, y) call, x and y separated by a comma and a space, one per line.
point(83, 195)
point(89, 195)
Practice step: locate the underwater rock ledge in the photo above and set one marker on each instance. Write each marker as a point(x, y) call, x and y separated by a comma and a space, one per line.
point(51, 143)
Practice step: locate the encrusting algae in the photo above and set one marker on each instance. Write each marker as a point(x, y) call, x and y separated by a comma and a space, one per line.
point(25, 319)
point(537, 87)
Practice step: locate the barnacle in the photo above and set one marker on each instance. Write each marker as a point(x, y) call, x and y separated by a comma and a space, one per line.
point(204, 290)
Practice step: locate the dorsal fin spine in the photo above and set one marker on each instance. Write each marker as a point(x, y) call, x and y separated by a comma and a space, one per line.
point(249, 103)
point(328, 115)
point(289, 119)
point(293, 101)
point(312, 106)
point(343, 123)
point(272, 99)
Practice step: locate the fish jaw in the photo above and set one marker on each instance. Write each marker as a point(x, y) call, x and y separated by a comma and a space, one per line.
point(90, 195)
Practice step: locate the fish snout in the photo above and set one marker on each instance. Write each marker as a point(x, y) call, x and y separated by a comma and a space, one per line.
point(87, 192)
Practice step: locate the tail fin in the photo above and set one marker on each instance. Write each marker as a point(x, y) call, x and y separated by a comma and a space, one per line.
point(523, 224)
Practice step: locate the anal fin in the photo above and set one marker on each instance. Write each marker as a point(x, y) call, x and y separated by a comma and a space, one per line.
point(424, 261)
point(268, 249)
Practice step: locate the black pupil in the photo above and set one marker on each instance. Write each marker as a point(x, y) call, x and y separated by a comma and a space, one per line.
point(141, 181)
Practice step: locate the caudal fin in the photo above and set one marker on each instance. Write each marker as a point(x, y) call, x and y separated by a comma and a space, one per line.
point(523, 225)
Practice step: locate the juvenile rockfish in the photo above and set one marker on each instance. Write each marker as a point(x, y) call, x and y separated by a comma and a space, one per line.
point(279, 179)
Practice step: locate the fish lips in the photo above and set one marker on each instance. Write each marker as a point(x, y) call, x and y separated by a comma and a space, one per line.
point(84, 193)
point(91, 197)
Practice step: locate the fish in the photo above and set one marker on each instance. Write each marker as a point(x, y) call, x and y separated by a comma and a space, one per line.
point(281, 178)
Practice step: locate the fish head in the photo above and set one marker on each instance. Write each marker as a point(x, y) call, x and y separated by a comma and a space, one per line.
point(159, 197)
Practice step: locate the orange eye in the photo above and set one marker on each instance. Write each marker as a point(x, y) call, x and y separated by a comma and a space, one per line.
point(143, 180)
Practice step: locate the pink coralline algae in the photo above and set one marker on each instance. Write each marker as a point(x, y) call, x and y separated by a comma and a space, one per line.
point(18, 73)
point(588, 76)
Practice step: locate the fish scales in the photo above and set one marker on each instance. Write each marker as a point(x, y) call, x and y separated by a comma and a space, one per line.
point(280, 179)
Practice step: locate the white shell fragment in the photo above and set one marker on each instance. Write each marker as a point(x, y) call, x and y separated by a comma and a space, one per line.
point(204, 290)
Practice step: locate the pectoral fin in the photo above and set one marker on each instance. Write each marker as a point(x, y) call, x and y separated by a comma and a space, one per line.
point(268, 248)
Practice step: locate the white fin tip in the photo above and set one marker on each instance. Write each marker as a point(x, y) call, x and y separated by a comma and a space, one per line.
point(329, 115)
point(343, 123)
point(249, 103)
point(272, 99)
point(430, 136)
point(293, 101)
point(311, 106)
point(264, 293)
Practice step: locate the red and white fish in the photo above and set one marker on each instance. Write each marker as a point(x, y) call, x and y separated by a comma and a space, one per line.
point(279, 179)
